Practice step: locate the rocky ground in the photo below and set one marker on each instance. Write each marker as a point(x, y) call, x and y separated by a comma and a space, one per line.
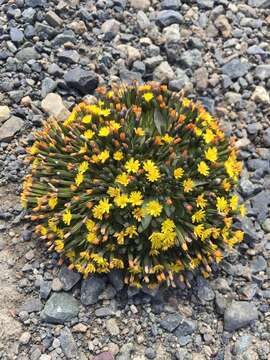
point(52, 53)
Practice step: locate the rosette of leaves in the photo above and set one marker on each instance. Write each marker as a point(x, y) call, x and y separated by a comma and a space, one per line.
point(142, 180)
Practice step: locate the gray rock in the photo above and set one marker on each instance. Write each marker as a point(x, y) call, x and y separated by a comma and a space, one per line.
point(186, 327)
point(258, 164)
point(171, 322)
point(167, 17)
point(69, 278)
point(205, 292)
point(116, 278)
point(140, 4)
point(69, 56)
point(53, 19)
point(221, 303)
point(260, 203)
point(110, 27)
point(35, 3)
point(152, 62)
point(32, 305)
point(128, 77)
point(26, 54)
point(172, 33)
point(143, 21)
point(16, 35)
point(250, 22)
point(248, 292)
point(68, 344)
point(247, 188)
point(59, 308)
point(45, 289)
point(91, 289)
point(242, 344)
point(258, 264)
point(205, 4)
point(29, 15)
point(235, 69)
point(191, 59)
point(262, 72)
point(260, 95)
point(10, 127)
point(65, 36)
point(112, 327)
point(104, 312)
point(239, 314)
point(266, 137)
point(125, 352)
point(150, 353)
point(163, 72)
point(171, 4)
point(266, 225)
point(48, 85)
point(84, 81)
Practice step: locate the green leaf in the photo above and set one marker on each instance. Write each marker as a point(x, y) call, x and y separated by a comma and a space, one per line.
point(159, 121)
point(146, 220)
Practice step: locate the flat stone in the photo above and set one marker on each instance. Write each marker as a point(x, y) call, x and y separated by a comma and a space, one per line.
point(68, 56)
point(68, 344)
point(239, 314)
point(59, 308)
point(258, 264)
point(235, 69)
point(16, 35)
point(4, 113)
point(171, 322)
point(91, 289)
point(10, 127)
point(262, 72)
point(85, 81)
point(26, 54)
point(69, 278)
point(168, 17)
point(53, 19)
point(53, 105)
point(32, 305)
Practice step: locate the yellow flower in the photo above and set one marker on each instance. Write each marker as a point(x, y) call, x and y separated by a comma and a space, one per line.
point(139, 131)
point(149, 165)
point(148, 96)
point(118, 155)
point(167, 138)
point(153, 208)
point(188, 185)
point(132, 166)
point(226, 185)
point(72, 117)
point(104, 131)
point(242, 210)
point(103, 156)
point(186, 102)
point(198, 230)
point(97, 212)
point(121, 201)
point(52, 202)
point(178, 173)
point(105, 205)
point(113, 192)
point(130, 231)
point(221, 204)
point(122, 179)
point(90, 225)
point(114, 125)
point(153, 175)
point(79, 179)
point(88, 134)
point(137, 213)
point(206, 233)
point(87, 119)
point(105, 112)
point(135, 198)
point(197, 131)
point(198, 216)
point(59, 245)
point(83, 167)
point(92, 238)
point(167, 226)
point(234, 202)
point(120, 237)
point(203, 168)
point(67, 216)
point(201, 201)
point(228, 222)
point(211, 154)
point(208, 136)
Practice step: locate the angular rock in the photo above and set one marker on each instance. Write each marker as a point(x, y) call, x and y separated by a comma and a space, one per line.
point(53, 105)
point(171, 322)
point(26, 54)
point(59, 308)
point(116, 278)
point(235, 69)
point(262, 72)
point(261, 95)
point(205, 4)
point(69, 56)
point(239, 314)
point(69, 278)
point(171, 4)
point(168, 17)
point(163, 72)
point(191, 59)
point(260, 203)
point(143, 20)
point(110, 27)
point(16, 35)
point(172, 33)
point(48, 86)
point(91, 289)
point(223, 25)
point(112, 327)
point(32, 305)
point(53, 19)
point(85, 81)
point(186, 327)
point(266, 138)
point(68, 344)
point(4, 113)
point(10, 127)
point(140, 4)
point(258, 264)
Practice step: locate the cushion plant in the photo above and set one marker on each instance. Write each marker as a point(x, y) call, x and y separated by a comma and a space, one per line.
point(142, 181)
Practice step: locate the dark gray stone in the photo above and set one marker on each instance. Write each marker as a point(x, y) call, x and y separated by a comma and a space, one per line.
point(45, 289)
point(59, 308)
point(10, 127)
point(69, 56)
point(48, 85)
point(32, 305)
point(206, 4)
point(258, 264)
point(116, 278)
point(68, 344)
point(260, 203)
point(262, 72)
point(171, 322)
point(239, 314)
point(191, 59)
point(91, 289)
point(247, 188)
point(69, 278)
point(168, 17)
point(186, 327)
point(235, 69)
point(82, 80)
point(26, 54)
point(171, 4)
